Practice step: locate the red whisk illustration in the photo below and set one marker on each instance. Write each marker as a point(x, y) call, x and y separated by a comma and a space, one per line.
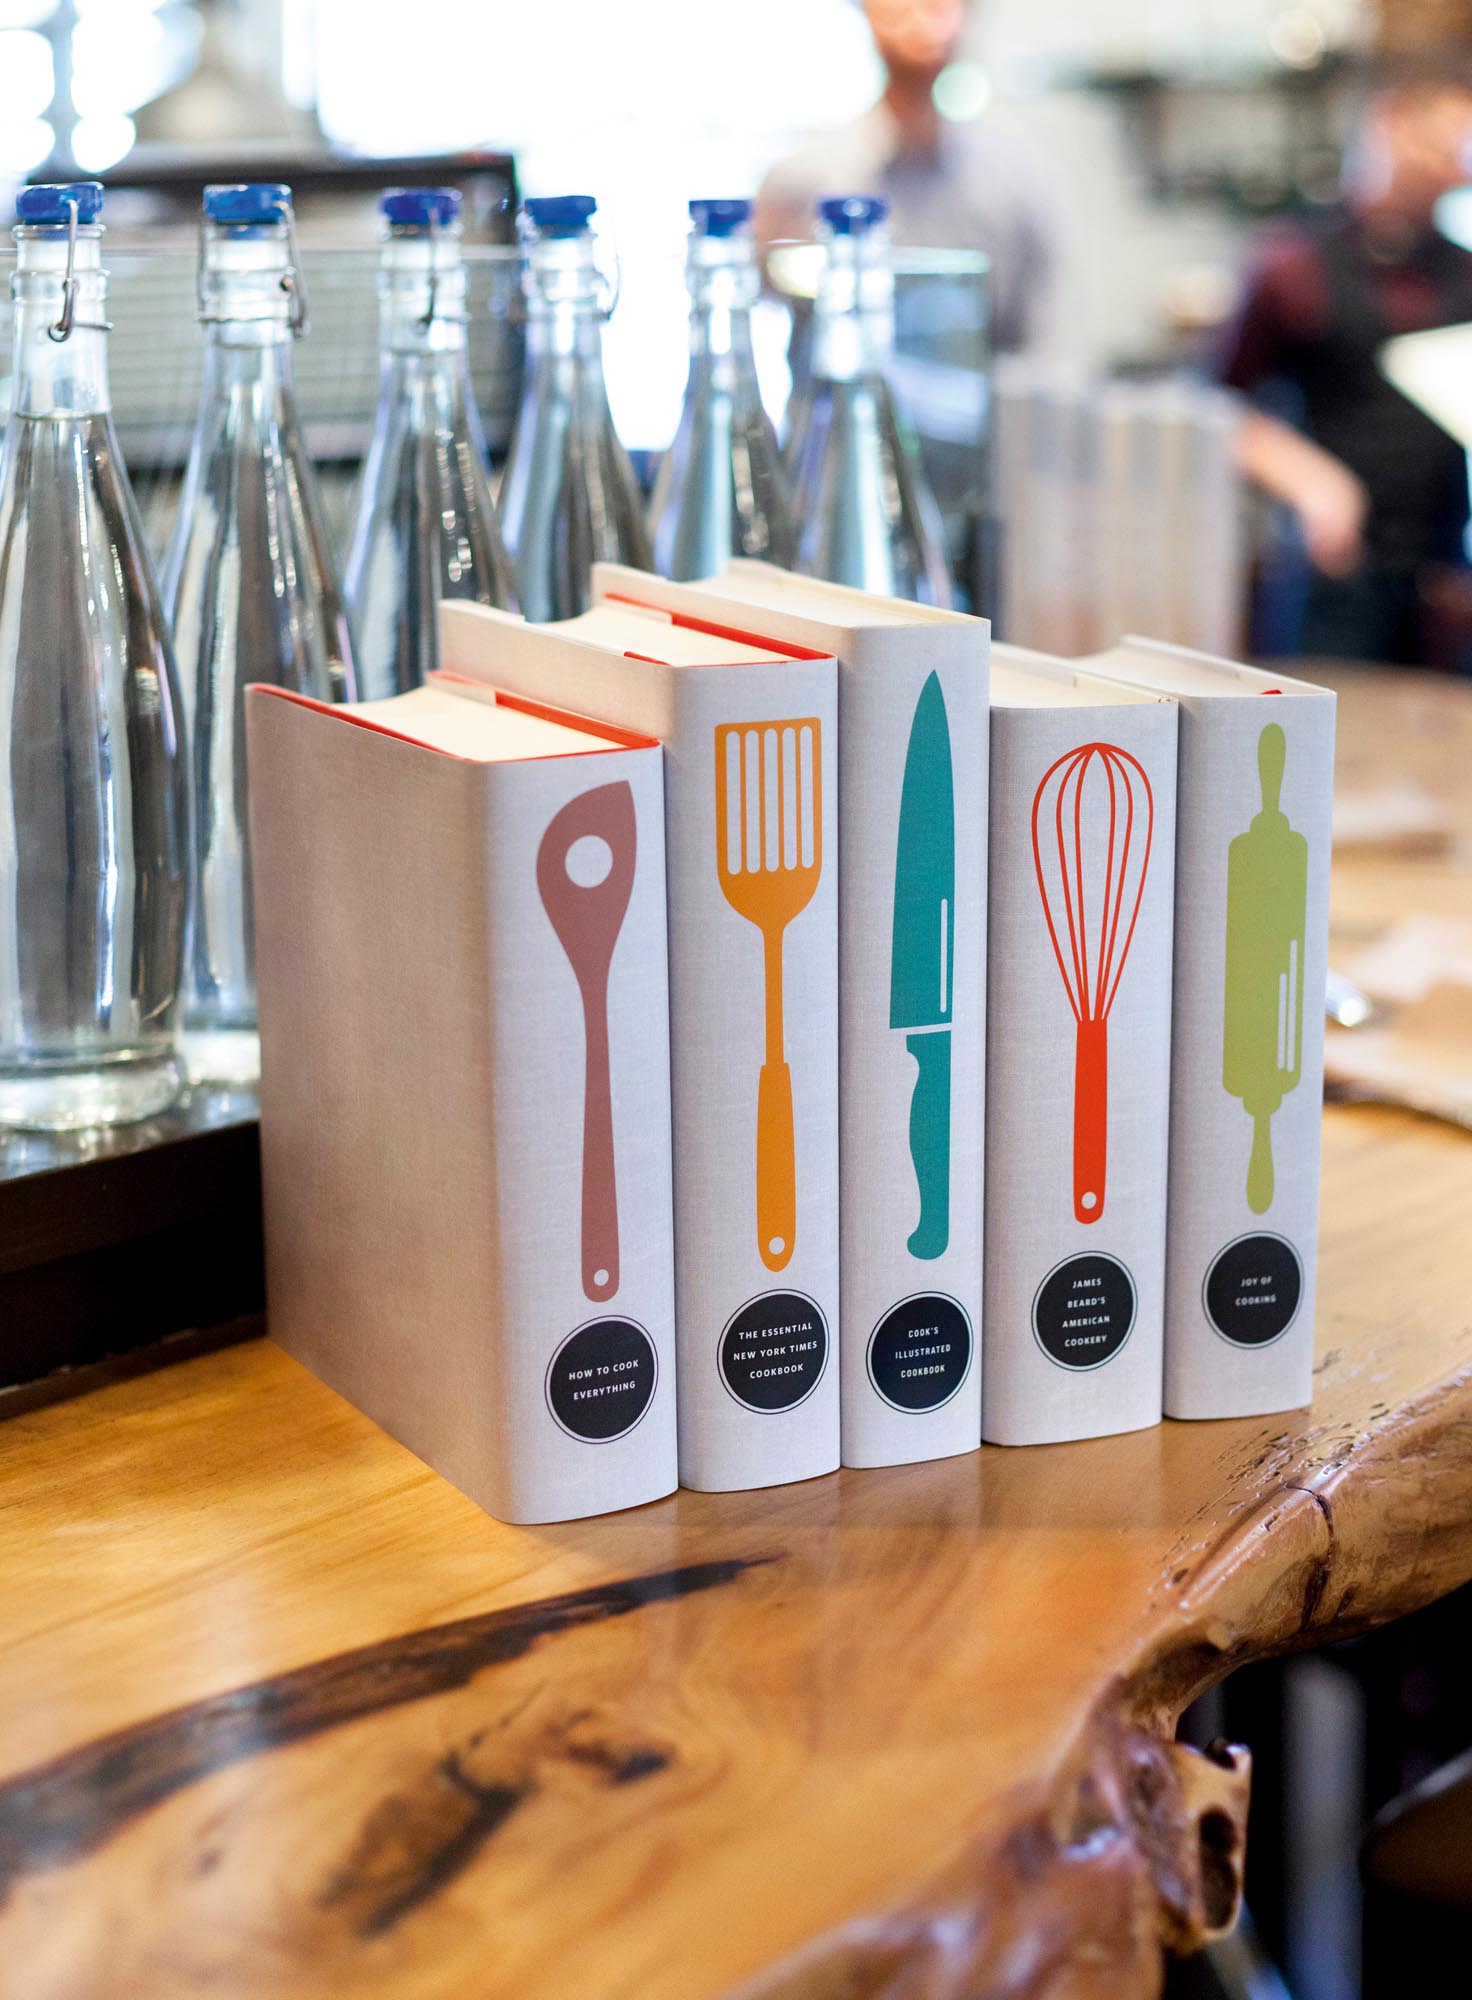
point(1093, 816)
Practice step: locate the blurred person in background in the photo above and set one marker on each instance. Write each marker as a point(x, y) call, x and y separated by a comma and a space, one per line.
point(950, 185)
point(1379, 490)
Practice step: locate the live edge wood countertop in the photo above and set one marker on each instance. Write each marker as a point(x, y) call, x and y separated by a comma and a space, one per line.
point(281, 1714)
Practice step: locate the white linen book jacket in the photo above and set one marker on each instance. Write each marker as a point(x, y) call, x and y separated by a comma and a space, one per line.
point(1252, 923)
point(912, 784)
point(1078, 1051)
point(751, 837)
point(460, 923)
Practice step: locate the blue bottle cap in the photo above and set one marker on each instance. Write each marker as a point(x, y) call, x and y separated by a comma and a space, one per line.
point(853, 214)
point(247, 203)
point(713, 217)
point(418, 208)
point(560, 214)
point(53, 203)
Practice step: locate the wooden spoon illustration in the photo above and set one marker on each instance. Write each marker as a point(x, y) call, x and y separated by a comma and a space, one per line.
point(586, 909)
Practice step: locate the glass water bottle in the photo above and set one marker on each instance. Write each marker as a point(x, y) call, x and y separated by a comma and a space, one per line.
point(722, 488)
point(94, 800)
point(426, 527)
point(251, 588)
point(568, 497)
point(865, 514)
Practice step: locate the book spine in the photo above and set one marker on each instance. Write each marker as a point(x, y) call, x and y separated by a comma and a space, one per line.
point(912, 914)
point(376, 1123)
point(1252, 916)
point(752, 827)
point(1079, 1012)
point(586, 1369)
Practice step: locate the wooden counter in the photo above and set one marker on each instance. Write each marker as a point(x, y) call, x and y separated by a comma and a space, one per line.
point(281, 1714)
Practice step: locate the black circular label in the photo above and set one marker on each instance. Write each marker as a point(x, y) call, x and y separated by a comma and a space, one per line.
point(774, 1351)
point(602, 1379)
point(1084, 1310)
point(1252, 1290)
point(920, 1352)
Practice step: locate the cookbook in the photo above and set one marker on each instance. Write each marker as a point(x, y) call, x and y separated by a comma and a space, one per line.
point(465, 1125)
point(1081, 903)
point(1252, 919)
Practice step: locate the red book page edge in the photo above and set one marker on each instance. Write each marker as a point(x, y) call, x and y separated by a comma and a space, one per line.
point(785, 647)
point(609, 737)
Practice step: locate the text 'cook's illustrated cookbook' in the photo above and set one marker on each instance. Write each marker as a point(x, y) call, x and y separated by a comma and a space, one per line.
point(1078, 1051)
point(912, 779)
point(460, 916)
point(749, 729)
point(1252, 920)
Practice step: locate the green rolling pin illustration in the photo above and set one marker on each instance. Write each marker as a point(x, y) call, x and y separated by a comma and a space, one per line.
point(1262, 1027)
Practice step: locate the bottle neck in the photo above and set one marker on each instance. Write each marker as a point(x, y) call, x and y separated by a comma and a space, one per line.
point(853, 319)
point(565, 301)
point(259, 368)
point(723, 289)
point(55, 377)
point(246, 287)
point(422, 292)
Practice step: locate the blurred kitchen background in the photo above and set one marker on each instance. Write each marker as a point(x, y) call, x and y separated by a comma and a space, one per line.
point(1142, 146)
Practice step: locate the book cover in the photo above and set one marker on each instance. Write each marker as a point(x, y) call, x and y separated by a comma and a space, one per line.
point(751, 840)
point(1252, 920)
point(912, 782)
point(1078, 1052)
point(465, 1130)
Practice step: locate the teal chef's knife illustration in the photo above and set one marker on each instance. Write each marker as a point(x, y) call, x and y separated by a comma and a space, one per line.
point(922, 954)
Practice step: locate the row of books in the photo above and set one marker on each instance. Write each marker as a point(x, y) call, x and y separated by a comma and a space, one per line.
point(642, 999)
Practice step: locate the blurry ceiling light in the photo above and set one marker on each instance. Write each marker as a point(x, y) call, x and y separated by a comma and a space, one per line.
point(299, 52)
point(1297, 38)
point(119, 61)
point(117, 10)
point(27, 75)
point(962, 90)
point(100, 141)
point(25, 144)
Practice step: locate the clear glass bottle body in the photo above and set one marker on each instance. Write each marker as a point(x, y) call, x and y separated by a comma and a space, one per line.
point(865, 514)
point(252, 592)
point(722, 487)
point(568, 494)
point(426, 525)
point(94, 804)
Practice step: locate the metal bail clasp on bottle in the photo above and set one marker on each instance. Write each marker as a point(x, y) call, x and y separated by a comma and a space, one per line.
point(568, 495)
point(251, 586)
point(94, 807)
point(722, 488)
point(426, 524)
point(865, 512)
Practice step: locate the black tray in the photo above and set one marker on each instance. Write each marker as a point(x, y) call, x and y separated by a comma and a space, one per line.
point(112, 1243)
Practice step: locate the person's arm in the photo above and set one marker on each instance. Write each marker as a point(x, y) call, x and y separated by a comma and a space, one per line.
point(1284, 309)
point(1330, 501)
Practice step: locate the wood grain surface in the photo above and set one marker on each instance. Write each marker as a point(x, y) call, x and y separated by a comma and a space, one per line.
point(282, 1714)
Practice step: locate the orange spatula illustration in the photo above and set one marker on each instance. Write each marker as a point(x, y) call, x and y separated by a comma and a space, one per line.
point(769, 854)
